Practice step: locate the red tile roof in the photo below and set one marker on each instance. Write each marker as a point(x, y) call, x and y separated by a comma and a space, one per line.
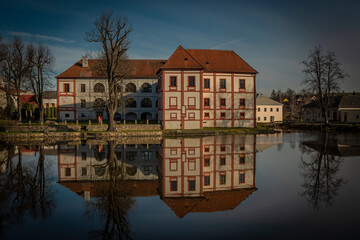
point(133, 188)
point(142, 69)
point(209, 60)
point(28, 99)
point(181, 59)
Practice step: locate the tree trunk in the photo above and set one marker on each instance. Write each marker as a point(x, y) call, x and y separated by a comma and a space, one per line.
point(111, 115)
point(19, 106)
point(41, 112)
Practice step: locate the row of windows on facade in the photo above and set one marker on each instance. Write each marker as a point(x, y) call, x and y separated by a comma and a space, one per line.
point(129, 103)
point(191, 102)
point(100, 88)
point(191, 151)
point(100, 171)
point(191, 115)
point(272, 118)
point(192, 165)
point(191, 82)
point(47, 105)
point(192, 182)
point(129, 155)
point(271, 109)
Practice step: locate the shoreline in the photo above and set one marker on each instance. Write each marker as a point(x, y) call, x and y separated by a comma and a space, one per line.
point(58, 136)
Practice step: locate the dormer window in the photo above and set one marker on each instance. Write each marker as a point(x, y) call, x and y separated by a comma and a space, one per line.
point(207, 62)
point(185, 59)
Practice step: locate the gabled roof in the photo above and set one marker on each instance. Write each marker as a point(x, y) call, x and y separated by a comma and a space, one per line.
point(181, 59)
point(143, 68)
point(262, 100)
point(49, 95)
point(352, 101)
point(221, 61)
point(208, 60)
point(334, 103)
point(28, 99)
point(210, 202)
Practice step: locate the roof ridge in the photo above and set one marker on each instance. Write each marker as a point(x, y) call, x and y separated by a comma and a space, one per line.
point(193, 58)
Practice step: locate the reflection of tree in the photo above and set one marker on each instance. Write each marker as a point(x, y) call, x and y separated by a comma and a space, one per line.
point(113, 204)
point(321, 183)
point(24, 189)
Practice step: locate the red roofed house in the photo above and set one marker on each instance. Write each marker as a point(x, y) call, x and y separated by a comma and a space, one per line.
point(81, 92)
point(206, 88)
point(192, 89)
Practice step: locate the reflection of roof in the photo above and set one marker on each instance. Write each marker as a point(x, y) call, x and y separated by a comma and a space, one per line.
point(262, 100)
point(209, 60)
point(142, 69)
point(335, 149)
point(263, 146)
point(210, 202)
point(98, 188)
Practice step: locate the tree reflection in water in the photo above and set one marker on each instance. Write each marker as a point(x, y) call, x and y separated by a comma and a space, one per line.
point(320, 173)
point(24, 189)
point(113, 204)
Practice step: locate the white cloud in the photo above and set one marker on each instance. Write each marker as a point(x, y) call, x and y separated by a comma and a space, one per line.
point(45, 37)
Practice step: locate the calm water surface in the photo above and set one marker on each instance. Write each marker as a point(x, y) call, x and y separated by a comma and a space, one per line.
point(283, 186)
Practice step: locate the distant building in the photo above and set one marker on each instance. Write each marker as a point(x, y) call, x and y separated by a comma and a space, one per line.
point(49, 99)
point(268, 110)
point(345, 109)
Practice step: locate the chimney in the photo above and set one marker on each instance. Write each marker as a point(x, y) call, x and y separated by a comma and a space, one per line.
point(85, 63)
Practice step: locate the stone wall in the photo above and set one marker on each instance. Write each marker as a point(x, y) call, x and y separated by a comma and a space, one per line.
point(77, 128)
point(136, 127)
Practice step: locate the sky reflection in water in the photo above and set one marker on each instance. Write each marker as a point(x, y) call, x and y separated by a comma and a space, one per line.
point(277, 186)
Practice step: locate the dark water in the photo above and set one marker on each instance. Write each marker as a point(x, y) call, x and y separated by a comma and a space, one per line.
point(298, 185)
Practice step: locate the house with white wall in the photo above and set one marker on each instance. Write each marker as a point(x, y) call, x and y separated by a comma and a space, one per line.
point(82, 93)
point(206, 88)
point(268, 110)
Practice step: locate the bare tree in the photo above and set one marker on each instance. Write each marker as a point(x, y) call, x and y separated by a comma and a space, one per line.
point(14, 68)
point(111, 32)
point(320, 173)
point(322, 76)
point(41, 63)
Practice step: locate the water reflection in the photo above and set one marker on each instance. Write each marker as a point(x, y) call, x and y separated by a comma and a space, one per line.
point(190, 175)
point(207, 174)
point(169, 181)
point(25, 187)
point(320, 165)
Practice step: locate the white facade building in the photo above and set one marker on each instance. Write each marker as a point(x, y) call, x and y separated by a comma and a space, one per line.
point(268, 110)
point(80, 92)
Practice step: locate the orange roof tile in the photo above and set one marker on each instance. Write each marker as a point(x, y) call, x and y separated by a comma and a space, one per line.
point(142, 69)
point(209, 60)
point(210, 202)
point(181, 59)
point(98, 188)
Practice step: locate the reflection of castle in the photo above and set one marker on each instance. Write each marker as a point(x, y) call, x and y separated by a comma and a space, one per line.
point(195, 174)
point(85, 168)
point(207, 174)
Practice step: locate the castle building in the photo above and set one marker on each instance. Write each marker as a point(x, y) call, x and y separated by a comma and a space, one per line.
point(82, 93)
point(206, 88)
point(193, 89)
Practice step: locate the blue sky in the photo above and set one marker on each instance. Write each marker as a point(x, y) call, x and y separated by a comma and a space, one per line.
point(272, 36)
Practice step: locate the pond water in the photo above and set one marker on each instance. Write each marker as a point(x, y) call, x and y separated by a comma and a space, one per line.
point(281, 186)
